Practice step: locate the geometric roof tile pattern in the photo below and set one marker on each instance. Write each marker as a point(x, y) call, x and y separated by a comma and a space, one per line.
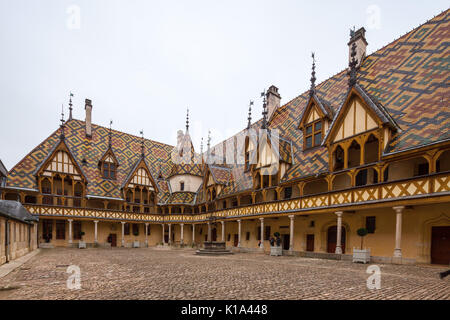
point(406, 80)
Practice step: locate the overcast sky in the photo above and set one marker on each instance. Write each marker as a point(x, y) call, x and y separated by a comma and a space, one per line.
point(143, 62)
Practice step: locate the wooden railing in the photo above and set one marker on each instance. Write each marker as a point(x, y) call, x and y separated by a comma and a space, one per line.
point(420, 187)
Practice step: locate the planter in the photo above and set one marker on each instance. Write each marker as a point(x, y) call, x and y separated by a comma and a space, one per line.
point(136, 244)
point(276, 250)
point(361, 255)
point(82, 245)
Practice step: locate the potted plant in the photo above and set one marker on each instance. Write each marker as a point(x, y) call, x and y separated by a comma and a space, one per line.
point(361, 255)
point(275, 245)
point(81, 243)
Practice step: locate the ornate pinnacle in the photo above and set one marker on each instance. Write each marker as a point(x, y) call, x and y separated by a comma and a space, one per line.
point(264, 113)
point(70, 105)
point(352, 64)
point(62, 136)
point(313, 76)
point(142, 143)
point(249, 114)
point(110, 133)
point(187, 120)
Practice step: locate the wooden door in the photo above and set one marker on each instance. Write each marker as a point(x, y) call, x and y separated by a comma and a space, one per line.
point(285, 241)
point(113, 239)
point(331, 239)
point(440, 245)
point(214, 234)
point(236, 240)
point(310, 242)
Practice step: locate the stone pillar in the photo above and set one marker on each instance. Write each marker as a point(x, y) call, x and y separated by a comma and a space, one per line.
point(170, 233)
point(209, 232)
point(70, 231)
point(95, 231)
point(291, 233)
point(398, 231)
point(123, 234)
point(339, 232)
point(163, 238)
point(239, 233)
point(261, 246)
point(182, 233)
point(223, 231)
point(193, 233)
point(146, 234)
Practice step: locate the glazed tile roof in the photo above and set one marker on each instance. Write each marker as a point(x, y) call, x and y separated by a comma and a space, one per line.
point(406, 83)
point(182, 197)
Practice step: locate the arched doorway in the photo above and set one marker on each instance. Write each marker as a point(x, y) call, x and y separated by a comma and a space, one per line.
point(331, 239)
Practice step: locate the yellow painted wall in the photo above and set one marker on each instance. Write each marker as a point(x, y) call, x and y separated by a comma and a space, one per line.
point(19, 239)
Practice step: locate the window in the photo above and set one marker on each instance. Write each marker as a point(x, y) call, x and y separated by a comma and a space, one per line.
point(224, 205)
point(370, 224)
point(267, 233)
point(234, 203)
point(247, 236)
point(60, 229)
point(229, 237)
point(181, 186)
point(422, 169)
point(247, 161)
point(148, 229)
point(126, 228)
point(312, 224)
point(287, 192)
point(109, 170)
point(361, 178)
point(313, 134)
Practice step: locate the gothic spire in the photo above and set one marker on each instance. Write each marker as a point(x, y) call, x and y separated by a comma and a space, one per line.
point(352, 65)
point(62, 126)
point(70, 105)
point(313, 76)
point(187, 120)
point(249, 114)
point(264, 113)
point(209, 139)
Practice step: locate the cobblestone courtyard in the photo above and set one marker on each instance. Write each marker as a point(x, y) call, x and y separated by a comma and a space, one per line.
point(179, 274)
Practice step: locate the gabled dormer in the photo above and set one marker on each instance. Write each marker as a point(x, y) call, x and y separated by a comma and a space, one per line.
point(315, 121)
point(360, 131)
point(215, 179)
point(108, 165)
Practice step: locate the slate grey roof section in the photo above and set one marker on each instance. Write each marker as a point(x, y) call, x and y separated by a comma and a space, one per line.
point(3, 170)
point(15, 210)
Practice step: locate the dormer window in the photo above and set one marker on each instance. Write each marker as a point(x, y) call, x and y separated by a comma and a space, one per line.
point(313, 134)
point(109, 170)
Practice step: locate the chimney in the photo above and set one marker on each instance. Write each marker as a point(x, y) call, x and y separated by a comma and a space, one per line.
point(359, 38)
point(88, 108)
point(273, 101)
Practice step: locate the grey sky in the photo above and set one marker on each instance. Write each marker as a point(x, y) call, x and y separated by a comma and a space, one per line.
point(143, 62)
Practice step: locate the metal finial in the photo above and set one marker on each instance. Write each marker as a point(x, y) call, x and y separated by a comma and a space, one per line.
point(110, 133)
point(313, 76)
point(250, 114)
point(201, 146)
point(187, 120)
point(142, 143)
point(70, 105)
point(352, 64)
point(62, 135)
point(209, 139)
point(264, 113)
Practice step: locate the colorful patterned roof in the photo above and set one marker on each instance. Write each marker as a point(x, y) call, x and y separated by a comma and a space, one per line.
point(406, 82)
point(182, 197)
point(220, 174)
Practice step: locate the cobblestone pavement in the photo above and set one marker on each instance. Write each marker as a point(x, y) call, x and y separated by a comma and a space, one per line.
point(179, 274)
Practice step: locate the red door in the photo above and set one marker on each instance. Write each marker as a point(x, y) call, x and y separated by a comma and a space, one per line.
point(332, 235)
point(440, 245)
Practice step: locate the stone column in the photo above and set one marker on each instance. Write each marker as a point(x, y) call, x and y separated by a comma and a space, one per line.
point(291, 233)
point(123, 234)
point(193, 233)
point(239, 233)
point(95, 232)
point(182, 233)
point(261, 246)
point(163, 238)
point(209, 232)
point(146, 234)
point(70, 231)
point(170, 233)
point(223, 231)
point(339, 232)
point(398, 231)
